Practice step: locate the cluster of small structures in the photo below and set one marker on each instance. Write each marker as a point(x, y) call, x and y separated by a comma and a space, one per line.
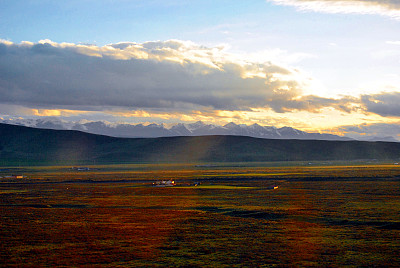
point(13, 177)
point(164, 183)
point(81, 168)
point(169, 183)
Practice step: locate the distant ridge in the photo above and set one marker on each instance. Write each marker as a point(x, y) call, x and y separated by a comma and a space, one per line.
point(19, 144)
point(160, 130)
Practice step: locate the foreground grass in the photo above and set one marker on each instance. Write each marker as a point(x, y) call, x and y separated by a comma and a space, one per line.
point(318, 217)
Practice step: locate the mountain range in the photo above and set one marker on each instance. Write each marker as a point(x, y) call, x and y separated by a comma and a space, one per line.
point(32, 146)
point(161, 130)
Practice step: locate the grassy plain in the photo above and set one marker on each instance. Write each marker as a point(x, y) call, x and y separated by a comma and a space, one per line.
point(110, 216)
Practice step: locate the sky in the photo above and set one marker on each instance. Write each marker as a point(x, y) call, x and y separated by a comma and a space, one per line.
point(324, 66)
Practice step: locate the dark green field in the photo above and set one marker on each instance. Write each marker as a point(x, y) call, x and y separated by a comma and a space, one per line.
point(112, 216)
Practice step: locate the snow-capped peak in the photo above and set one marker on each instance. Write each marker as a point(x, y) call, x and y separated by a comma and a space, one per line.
point(198, 128)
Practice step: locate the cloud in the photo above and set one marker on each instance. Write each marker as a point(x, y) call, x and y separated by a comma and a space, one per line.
point(384, 104)
point(393, 42)
point(389, 8)
point(365, 131)
point(170, 75)
point(313, 104)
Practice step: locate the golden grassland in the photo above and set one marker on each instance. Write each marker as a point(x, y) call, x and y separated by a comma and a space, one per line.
point(112, 216)
point(191, 171)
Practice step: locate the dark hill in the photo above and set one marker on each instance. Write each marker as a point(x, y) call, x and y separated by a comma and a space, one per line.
point(43, 146)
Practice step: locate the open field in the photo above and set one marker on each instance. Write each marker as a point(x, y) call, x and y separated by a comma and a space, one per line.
point(110, 216)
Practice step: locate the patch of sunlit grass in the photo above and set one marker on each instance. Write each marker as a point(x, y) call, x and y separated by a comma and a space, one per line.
point(12, 191)
point(250, 174)
point(220, 187)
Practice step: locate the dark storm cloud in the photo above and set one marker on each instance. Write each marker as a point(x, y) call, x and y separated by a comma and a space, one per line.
point(169, 75)
point(384, 104)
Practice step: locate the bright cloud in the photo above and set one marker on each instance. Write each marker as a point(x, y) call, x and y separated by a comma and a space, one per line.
point(393, 42)
point(170, 75)
point(389, 8)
